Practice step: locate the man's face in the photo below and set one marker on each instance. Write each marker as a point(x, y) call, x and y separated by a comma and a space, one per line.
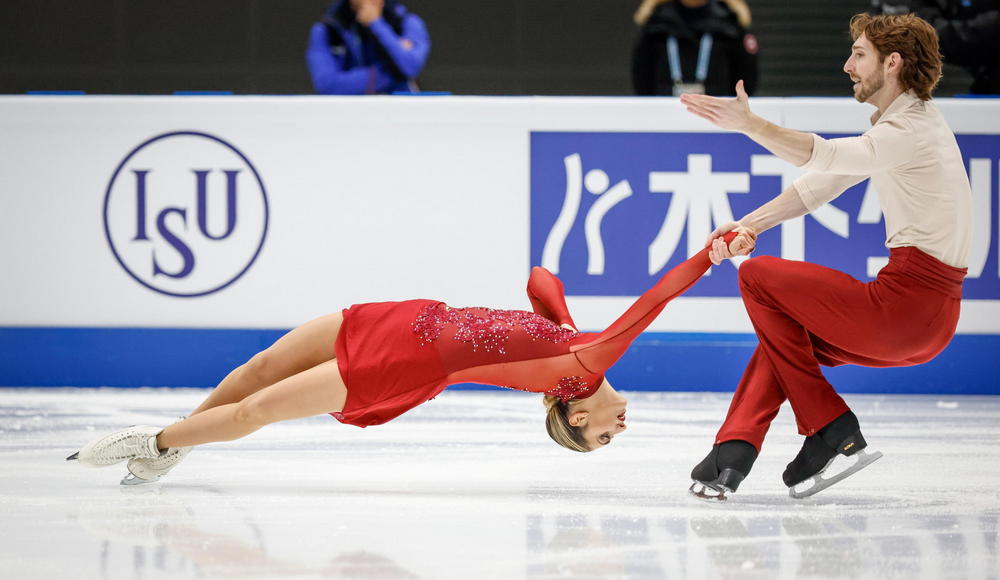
point(865, 68)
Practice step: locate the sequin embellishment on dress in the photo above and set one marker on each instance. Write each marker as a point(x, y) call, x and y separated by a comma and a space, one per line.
point(486, 328)
point(569, 388)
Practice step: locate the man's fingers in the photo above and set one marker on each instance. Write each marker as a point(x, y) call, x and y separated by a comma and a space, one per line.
point(695, 110)
point(704, 115)
point(691, 104)
point(740, 91)
point(719, 232)
point(688, 98)
point(703, 104)
point(741, 246)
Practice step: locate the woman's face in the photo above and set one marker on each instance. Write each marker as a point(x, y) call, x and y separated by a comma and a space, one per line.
point(602, 416)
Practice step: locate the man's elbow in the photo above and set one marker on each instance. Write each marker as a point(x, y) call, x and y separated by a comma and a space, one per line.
point(412, 63)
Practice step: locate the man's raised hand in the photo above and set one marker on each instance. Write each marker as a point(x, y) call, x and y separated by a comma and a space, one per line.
point(724, 112)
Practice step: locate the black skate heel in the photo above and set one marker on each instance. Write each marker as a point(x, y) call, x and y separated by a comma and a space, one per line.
point(842, 436)
point(730, 479)
point(723, 470)
point(852, 444)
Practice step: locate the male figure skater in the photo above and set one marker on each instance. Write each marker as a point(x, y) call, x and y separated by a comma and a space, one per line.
point(807, 315)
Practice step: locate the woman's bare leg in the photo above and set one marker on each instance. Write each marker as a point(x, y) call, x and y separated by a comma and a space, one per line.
point(315, 391)
point(301, 348)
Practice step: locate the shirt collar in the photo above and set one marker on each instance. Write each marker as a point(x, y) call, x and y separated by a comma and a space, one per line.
point(902, 102)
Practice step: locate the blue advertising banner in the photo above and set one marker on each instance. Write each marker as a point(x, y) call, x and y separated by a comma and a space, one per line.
point(610, 212)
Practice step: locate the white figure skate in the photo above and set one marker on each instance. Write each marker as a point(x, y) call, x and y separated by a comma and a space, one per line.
point(135, 441)
point(143, 470)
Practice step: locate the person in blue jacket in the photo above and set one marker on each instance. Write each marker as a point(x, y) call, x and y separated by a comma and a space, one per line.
point(365, 47)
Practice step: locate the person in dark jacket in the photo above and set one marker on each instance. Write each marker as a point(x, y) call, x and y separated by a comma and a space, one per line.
point(364, 47)
point(969, 33)
point(693, 46)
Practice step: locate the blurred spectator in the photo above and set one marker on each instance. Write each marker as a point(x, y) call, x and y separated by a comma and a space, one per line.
point(969, 33)
point(693, 46)
point(364, 47)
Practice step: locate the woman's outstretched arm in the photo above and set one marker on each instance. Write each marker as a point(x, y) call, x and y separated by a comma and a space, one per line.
point(607, 347)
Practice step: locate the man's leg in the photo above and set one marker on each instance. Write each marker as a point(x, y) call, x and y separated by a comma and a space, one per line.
point(755, 403)
point(796, 307)
point(738, 442)
point(806, 314)
point(760, 392)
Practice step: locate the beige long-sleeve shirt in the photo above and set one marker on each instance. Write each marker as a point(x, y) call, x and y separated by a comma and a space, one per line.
point(915, 165)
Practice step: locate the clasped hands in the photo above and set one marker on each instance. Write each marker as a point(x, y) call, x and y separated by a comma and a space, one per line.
point(742, 244)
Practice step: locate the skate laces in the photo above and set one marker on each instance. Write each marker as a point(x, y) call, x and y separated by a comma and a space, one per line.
point(168, 459)
point(124, 445)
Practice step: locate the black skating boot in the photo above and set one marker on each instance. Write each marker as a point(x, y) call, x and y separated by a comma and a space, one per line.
point(841, 436)
point(723, 469)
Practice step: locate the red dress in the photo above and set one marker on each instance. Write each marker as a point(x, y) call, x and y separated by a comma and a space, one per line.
point(394, 356)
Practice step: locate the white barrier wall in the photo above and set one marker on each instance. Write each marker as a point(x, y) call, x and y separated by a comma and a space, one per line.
point(337, 201)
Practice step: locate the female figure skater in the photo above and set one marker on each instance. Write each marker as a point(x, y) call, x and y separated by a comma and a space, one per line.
point(389, 357)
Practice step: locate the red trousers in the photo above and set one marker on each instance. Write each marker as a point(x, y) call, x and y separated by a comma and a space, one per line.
point(807, 315)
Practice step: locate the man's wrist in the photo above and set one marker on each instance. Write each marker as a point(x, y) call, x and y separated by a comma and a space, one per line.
point(755, 126)
point(751, 225)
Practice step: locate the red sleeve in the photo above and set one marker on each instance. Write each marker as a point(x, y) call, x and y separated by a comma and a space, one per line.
point(547, 296)
point(607, 347)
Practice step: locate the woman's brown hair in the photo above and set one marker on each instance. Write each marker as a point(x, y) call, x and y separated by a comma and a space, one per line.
point(913, 38)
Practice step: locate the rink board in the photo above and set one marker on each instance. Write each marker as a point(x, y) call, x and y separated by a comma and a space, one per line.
point(148, 240)
point(120, 357)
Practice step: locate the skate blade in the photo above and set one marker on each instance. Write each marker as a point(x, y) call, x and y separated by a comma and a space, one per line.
point(73, 457)
point(131, 479)
point(820, 483)
point(708, 493)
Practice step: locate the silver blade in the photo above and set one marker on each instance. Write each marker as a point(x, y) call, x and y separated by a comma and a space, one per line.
point(707, 493)
point(864, 459)
point(133, 480)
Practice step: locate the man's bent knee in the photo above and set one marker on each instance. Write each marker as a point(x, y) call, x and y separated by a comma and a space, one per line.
point(756, 270)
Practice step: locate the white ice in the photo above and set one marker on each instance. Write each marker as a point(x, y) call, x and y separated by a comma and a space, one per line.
point(469, 486)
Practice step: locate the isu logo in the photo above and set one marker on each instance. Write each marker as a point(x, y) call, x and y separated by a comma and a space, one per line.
point(185, 214)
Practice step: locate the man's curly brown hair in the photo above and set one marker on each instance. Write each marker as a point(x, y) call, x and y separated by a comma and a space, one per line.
point(913, 38)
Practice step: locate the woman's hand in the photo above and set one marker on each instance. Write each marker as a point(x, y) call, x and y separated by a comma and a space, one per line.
point(742, 244)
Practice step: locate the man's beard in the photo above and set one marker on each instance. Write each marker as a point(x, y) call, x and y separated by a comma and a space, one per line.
point(870, 87)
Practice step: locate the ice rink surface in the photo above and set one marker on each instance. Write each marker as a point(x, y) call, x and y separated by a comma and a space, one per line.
point(469, 486)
